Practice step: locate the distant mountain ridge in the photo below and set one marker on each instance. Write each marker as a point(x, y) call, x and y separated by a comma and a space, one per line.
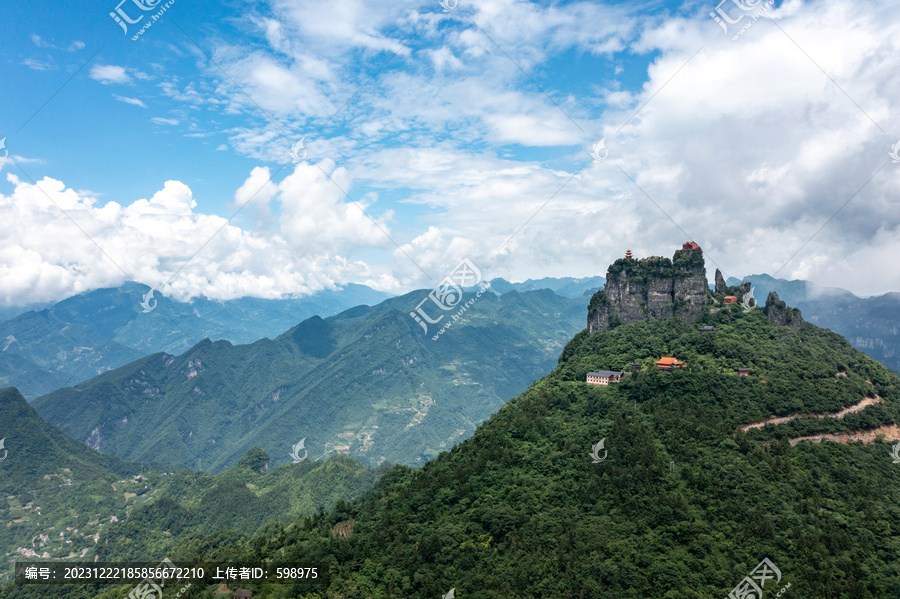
point(564, 286)
point(366, 382)
point(90, 333)
point(870, 324)
point(46, 346)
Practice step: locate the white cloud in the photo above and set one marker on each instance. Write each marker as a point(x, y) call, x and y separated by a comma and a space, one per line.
point(37, 65)
point(108, 73)
point(41, 43)
point(316, 216)
point(747, 146)
point(162, 121)
point(50, 255)
point(132, 101)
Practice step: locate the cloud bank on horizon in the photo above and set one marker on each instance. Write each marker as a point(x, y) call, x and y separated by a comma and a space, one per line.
point(436, 136)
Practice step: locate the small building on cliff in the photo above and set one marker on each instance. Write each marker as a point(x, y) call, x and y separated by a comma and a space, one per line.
point(605, 377)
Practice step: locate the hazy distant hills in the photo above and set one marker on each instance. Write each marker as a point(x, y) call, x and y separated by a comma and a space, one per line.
point(870, 324)
point(90, 333)
point(564, 286)
point(367, 382)
point(46, 346)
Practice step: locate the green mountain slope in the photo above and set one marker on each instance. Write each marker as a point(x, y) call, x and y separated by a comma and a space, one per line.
point(367, 383)
point(61, 500)
point(869, 323)
point(683, 505)
point(53, 485)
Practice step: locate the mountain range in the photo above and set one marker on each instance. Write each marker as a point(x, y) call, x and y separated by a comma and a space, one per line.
point(96, 331)
point(695, 482)
point(47, 346)
point(367, 383)
point(759, 464)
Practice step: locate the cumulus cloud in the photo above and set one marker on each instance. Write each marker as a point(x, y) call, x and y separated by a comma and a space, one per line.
point(770, 150)
point(66, 242)
point(746, 146)
point(107, 74)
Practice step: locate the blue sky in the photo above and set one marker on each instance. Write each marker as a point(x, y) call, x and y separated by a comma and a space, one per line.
point(435, 136)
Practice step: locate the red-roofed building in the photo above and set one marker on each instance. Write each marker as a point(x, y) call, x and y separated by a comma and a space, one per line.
point(729, 299)
point(668, 363)
point(690, 245)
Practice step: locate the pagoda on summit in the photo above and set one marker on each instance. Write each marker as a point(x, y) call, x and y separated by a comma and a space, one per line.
point(628, 255)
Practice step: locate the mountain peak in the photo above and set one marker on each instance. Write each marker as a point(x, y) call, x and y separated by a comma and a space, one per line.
point(781, 313)
point(651, 288)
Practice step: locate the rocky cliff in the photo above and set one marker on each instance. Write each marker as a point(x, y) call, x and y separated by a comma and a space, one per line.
point(651, 288)
point(780, 313)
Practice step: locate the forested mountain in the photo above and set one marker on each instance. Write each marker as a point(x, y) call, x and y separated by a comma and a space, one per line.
point(871, 324)
point(87, 334)
point(771, 445)
point(61, 499)
point(367, 382)
point(681, 503)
